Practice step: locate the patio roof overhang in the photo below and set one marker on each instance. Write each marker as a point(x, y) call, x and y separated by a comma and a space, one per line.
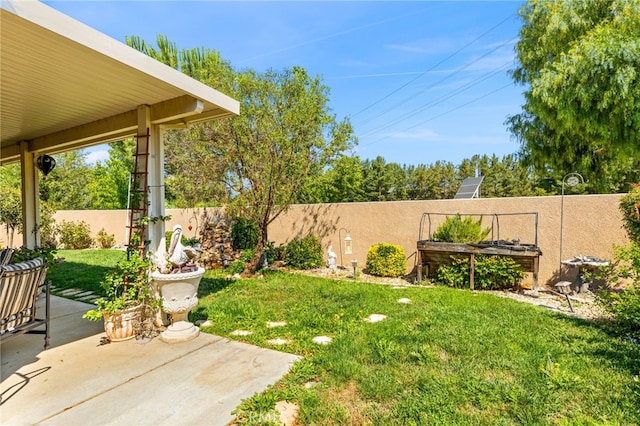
point(66, 86)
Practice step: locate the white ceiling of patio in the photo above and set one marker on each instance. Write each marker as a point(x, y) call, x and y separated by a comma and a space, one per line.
point(64, 85)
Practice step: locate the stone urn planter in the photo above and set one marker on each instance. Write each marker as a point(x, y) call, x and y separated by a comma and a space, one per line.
point(179, 294)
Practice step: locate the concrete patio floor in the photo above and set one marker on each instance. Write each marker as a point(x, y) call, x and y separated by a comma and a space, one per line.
point(78, 381)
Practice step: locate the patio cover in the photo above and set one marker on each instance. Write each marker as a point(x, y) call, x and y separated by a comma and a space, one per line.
point(66, 86)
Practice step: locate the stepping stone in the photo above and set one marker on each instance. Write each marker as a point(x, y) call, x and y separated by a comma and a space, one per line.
point(89, 297)
point(272, 324)
point(241, 333)
point(84, 294)
point(279, 341)
point(404, 300)
point(311, 384)
point(322, 340)
point(71, 292)
point(204, 323)
point(288, 412)
point(375, 318)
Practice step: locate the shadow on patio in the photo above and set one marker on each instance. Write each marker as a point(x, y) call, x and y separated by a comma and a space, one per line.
point(80, 381)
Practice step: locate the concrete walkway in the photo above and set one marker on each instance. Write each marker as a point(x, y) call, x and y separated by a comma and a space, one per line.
point(78, 381)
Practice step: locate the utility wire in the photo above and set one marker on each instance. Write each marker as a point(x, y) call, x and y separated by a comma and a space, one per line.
point(448, 76)
point(445, 112)
point(434, 66)
point(439, 100)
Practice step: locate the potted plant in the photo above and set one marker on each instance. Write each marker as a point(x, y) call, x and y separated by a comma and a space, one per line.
point(127, 301)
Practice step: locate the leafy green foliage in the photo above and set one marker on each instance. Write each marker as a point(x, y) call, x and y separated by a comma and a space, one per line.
point(236, 267)
point(386, 260)
point(47, 254)
point(304, 253)
point(630, 207)
point(105, 240)
point(274, 253)
point(579, 63)
point(110, 181)
point(490, 273)
point(621, 298)
point(66, 186)
point(458, 230)
point(10, 208)
point(244, 234)
point(75, 235)
point(79, 268)
point(126, 285)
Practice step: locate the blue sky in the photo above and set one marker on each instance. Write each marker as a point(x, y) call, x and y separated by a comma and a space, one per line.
point(421, 81)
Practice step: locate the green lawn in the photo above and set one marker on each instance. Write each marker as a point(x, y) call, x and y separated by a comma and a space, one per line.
point(83, 269)
point(449, 357)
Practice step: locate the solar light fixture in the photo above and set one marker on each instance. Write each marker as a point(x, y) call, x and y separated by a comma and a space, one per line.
point(348, 244)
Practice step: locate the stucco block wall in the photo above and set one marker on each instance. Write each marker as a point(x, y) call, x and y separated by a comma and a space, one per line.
point(591, 225)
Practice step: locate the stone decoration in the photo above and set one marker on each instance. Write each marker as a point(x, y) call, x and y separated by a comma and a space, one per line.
point(216, 243)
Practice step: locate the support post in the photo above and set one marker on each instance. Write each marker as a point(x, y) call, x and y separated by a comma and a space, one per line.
point(30, 198)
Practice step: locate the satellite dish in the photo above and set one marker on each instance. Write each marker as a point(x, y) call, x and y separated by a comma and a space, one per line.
point(46, 164)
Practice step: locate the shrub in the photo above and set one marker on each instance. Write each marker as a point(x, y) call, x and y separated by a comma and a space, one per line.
point(624, 305)
point(236, 267)
point(490, 273)
point(304, 253)
point(386, 260)
point(48, 231)
point(630, 207)
point(47, 254)
point(247, 255)
point(75, 235)
point(458, 230)
point(274, 253)
point(244, 234)
point(105, 240)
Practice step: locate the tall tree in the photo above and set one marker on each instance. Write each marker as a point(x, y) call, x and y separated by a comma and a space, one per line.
point(110, 184)
point(263, 157)
point(286, 130)
point(383, 181)
point(341, 182)
point(10, 201)
point(65, 188)
point(193, 169)
point(580, 61)
point(434, 182)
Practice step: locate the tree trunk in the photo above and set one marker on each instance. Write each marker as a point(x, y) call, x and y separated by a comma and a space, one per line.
point(255, 261)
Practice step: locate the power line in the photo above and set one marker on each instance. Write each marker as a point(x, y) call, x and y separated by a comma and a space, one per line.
point(446, 112)
point(448, 76)
point(439, 100)
point(434, 66)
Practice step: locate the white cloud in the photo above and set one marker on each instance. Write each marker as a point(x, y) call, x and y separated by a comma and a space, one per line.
point(97, 156)
point(423, 134)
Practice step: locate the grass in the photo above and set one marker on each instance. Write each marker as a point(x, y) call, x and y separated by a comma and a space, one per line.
point(83, 269)
point(449, 357)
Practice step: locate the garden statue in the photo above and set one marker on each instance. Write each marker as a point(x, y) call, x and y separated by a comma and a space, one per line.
point(332, 258)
